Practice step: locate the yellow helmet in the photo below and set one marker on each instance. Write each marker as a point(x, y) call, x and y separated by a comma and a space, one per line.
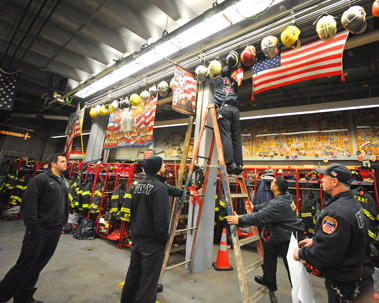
point(214, 69)
point(172, 83)
point(270, 47)
point(135, 100)
point(290, 37)
point(163, 89)
point(92, 113)
point(103, 110)
point(145, 95)
point(326, 28)
point(110, 108)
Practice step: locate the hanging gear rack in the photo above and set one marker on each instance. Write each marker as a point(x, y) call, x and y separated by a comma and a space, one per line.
point(237, 243)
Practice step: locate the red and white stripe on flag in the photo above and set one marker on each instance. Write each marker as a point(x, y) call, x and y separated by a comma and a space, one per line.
point(73, 132)
point(314, 59)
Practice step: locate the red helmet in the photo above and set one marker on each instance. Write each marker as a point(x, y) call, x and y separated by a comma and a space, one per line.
point(375, 8)
point(248, 55)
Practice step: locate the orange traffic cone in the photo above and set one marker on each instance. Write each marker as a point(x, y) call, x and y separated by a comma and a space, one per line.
point(222, 262)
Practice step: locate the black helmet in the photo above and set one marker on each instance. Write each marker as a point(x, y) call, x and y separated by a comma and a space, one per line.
point(225, 72)
point(232, 59)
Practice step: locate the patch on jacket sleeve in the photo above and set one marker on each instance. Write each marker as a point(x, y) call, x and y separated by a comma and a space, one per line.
point(329, 225)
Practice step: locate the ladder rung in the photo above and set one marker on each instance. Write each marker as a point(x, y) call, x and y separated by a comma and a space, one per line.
point(260, 293)
point(206, 165)
point(175, 265)
point(239, 195)
point(178, 248)
point(248, 240)
point(184, 229)
point(199, 195)
point(253, 266)
point(202, 157)
point(240, 176)
point(209, 127)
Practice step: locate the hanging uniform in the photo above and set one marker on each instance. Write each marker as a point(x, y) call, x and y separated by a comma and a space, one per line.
point(19, 190)
point(126, 203)
point(371, 211)
point(97, 196)
point(11, 179)
point(85, 195)
point(76, 186)
point(308, 211)
point(117, 199)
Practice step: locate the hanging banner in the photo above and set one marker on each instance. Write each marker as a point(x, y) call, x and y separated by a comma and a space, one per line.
point(131, 126)
point(184, 93)
point(8, 87)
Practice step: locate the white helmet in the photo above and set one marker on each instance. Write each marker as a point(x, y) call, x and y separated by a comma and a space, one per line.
point(145, 95)
point(201, 73)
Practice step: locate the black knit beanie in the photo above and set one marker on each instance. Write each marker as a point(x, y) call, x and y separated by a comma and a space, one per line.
point(153, 164)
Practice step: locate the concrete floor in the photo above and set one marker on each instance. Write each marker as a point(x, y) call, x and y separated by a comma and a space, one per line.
point(89, 271)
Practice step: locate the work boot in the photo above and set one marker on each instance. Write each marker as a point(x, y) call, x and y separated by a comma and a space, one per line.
point(25, 296)
point(231, 168)
point(239, 170)
point(261, 281)
point(29, 300)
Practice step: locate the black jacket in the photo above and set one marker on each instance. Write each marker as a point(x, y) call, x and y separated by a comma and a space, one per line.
point(45, 201)
point(149, 210)
point(281, 213)
point(221, 85)
point(341, 241)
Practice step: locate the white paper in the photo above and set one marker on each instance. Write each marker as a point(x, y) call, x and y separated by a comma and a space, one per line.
point(302, 291)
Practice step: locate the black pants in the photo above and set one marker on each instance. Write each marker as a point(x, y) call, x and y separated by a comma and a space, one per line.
point(230, 133)
point(37, 249)
point(271, 249)
point(366, 292)
point(143, 274)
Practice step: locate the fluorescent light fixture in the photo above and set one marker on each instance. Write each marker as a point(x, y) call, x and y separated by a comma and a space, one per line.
point(171, 125)
point(326, 110)
point(64, 136)
point(210, 26)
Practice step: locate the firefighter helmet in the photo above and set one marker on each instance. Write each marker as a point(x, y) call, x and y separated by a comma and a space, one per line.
point(114, 105)
point(92, 113)
point(326, 28)
point(248, 55)
point(163, 89)
point(135, 99)
point(145, 95)
point(214, 69)
point(232, 59)
point(270, 46)
point(124, 103)
point(201, 73)
point(103, 110)
point(290, 37)
point(172, 83)
point(109, 108)
point(153, 91)
point(97, 110)
point(354, 19)
point(375, 8)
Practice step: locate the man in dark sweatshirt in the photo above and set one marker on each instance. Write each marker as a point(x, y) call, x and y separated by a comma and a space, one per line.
point(150, 218)
point(226, 91)
point(44, 209)
point(282, 217)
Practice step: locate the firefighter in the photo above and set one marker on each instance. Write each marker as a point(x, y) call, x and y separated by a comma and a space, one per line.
point(341, 245)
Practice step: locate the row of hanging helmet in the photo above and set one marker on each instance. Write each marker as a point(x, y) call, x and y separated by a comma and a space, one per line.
point(134, 100)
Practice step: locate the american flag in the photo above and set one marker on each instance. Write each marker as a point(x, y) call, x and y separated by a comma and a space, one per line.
point(8, 85)
point(314, 59)
point(74, 131)
point(184, 95)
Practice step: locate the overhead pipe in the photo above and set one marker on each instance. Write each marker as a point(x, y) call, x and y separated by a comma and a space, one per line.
point(39, 116)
